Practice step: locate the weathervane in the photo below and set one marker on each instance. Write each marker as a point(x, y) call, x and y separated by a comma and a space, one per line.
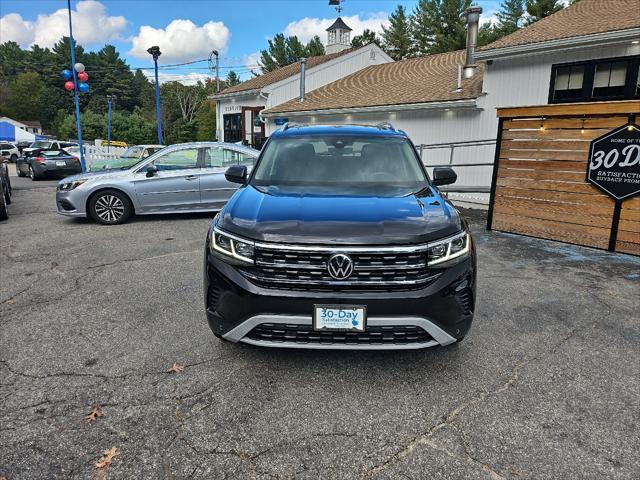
point(337, 4)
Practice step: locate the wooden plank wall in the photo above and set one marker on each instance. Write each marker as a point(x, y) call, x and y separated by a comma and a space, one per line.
point(540, 188)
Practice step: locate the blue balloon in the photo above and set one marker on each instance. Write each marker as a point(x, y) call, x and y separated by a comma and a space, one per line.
point(67, 74)
point(83, 87)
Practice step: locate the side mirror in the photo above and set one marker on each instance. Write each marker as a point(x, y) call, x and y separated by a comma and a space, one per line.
point(444, 176)
point(236, 174)
point(152, 170)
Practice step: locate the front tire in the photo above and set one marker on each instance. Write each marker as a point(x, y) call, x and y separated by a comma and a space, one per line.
point(20, 172)
point(110, 207)
point(13, 158)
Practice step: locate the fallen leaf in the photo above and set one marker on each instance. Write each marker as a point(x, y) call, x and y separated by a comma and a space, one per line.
point(176, 368)
point(107, 457)
point(93, 415)
point(11, 301)
point(515, 472)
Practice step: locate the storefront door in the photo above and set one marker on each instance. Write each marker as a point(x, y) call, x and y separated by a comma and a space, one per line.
point(252, 127)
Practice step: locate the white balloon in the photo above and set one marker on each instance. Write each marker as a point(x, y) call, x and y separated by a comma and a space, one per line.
point(79, 67)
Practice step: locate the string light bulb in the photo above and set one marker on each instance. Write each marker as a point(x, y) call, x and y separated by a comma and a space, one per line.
point(582, 129)
point(542, 124)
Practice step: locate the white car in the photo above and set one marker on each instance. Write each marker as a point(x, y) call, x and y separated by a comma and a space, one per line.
point(12, 151)
point(47, 145)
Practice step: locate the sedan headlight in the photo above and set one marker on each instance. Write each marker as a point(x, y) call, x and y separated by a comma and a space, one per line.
point(231, 246)
point(70, 185)
point(448, 249)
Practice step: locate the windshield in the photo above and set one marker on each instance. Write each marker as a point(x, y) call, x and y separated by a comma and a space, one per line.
point(341, 165)
point(132, 152)
point(40, 145)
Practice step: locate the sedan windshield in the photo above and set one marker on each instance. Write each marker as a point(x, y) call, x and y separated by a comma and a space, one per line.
point(40, 144)
point(341, 165)
point(133, 152)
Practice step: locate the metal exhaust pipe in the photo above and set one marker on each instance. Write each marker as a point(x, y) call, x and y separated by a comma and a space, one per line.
point(303, 68)
point(473, 20)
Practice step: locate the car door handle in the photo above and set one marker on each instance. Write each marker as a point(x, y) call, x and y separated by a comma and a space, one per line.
point(191, 177)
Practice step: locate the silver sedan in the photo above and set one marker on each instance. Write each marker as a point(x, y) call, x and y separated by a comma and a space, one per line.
point(187, 177)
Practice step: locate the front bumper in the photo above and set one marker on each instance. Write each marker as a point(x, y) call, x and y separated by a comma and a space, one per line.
point(438, 314)
point(71, 203)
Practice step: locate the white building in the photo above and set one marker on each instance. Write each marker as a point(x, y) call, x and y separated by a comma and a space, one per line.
point(589, 51)
point(238, 108)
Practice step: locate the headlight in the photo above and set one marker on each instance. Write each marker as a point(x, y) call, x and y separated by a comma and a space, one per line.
point(231, 246)
point(448, 249)
point(71, 185)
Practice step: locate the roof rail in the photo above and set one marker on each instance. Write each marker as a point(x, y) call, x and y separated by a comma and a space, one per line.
point(386, 126)
point(289, 125)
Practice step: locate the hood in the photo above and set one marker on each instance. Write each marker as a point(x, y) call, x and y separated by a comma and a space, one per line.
point(335, 219)
point(102, 174)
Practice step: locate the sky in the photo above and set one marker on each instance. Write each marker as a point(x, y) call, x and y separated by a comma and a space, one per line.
point(188, 30)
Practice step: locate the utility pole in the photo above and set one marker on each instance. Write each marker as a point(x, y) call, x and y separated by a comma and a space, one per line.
point(216, 68)
point(155, 53)
point(72, 43)
point(110, 99)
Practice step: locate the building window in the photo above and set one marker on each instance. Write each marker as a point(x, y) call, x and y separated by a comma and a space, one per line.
point(609, 79)
point(596, 80)
point(568, 82)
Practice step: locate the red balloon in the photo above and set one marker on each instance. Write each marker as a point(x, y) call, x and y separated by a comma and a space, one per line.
point(68, 86)
point(83, 76)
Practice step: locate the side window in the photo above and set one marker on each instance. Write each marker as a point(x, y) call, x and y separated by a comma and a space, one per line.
point(213, 157)
point(178, 160)
point(246, 160)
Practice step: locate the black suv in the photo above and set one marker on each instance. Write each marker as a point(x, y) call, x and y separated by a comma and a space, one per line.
point(339, 239)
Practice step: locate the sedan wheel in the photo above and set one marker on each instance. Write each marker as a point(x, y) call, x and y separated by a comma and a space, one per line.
point(32, 174)
point(110, 207)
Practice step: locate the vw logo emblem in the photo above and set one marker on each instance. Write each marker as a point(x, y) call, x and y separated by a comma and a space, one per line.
point(340, 266)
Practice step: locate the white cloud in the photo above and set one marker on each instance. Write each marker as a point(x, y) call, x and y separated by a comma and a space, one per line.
point(306, 28)
point(91, 26)
point(489, 17)
point(181, 40)
point(251, 61)
point(189, 78)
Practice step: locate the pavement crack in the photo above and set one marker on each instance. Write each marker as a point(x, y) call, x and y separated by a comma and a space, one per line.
point(145, 259)
point(449, 418)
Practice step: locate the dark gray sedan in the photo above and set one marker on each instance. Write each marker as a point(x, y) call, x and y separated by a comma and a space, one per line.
point(48, 163)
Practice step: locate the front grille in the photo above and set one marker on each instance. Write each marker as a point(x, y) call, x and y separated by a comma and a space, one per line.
point(373, 335)
point(305, 269)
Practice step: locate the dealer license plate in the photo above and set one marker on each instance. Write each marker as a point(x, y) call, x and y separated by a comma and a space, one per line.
point(342, 318)
point(60, 163)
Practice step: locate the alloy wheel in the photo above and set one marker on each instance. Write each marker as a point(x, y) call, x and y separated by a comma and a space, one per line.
point(109, 208)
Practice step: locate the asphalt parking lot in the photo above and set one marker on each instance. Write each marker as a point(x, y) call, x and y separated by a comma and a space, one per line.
point(546, 385)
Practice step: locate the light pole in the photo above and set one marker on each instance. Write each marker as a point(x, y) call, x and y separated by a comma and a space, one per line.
point(155, 53)
point(72, 44)
point(110, 99)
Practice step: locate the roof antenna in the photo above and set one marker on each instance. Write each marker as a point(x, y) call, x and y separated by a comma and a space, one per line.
point(337, 5)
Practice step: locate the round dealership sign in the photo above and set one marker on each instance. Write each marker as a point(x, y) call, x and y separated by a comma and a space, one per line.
point(614, 162)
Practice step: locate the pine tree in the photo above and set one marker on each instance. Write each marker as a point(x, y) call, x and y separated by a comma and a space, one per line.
point(367, 37)
point(232, 79)
point(315, 47)
point(396, 40)
point(286, 50)
point(438, 26)
point(510, 16)
point(537, 9)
